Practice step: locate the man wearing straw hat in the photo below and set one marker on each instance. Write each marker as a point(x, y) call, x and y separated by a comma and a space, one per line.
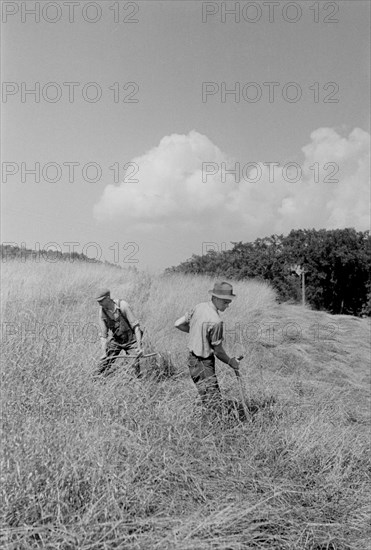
point(117, 318)
point(205, 329)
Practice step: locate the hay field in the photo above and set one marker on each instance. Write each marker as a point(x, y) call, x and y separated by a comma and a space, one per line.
point(128, 464)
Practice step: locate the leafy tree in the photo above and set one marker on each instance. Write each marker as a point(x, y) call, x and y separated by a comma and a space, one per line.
point(336, 262)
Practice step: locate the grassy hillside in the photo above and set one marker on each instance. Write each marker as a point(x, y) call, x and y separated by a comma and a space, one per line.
point(128, 464)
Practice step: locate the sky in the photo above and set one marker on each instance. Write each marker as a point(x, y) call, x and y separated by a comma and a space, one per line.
point(144, 132)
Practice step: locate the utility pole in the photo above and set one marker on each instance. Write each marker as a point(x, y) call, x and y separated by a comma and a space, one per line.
point(303, 287)
point(300, 271)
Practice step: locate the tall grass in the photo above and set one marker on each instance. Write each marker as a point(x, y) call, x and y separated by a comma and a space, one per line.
point(130, 464)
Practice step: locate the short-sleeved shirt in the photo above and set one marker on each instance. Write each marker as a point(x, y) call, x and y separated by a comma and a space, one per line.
point(121, 322)
point(205, 329)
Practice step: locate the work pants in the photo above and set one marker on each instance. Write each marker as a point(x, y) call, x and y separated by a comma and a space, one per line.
point(203, 374)
point(113, 351)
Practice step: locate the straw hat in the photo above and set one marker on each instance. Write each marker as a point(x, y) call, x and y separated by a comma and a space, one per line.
point(222, 290)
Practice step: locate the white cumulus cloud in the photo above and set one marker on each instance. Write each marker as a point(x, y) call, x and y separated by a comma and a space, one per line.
point(172, 191)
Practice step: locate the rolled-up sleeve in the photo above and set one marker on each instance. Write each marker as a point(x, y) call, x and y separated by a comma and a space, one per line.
point(102, 325)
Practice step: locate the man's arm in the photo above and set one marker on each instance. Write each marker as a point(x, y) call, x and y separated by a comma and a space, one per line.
point(182, 324)
point(138, 336)
point(133, 322)
point(223, 356)
point(103, 332)
point(215, 337)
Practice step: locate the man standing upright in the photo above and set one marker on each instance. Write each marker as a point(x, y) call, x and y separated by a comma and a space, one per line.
point(205, 328)
point(120, 330)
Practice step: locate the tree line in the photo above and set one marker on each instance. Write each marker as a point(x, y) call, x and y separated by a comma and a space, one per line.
point(336, 264)
point(22, 254)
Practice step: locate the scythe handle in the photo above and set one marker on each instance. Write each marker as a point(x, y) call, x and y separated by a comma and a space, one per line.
point(240, 387)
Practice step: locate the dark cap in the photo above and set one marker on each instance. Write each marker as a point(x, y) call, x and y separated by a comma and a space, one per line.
point(105, 292)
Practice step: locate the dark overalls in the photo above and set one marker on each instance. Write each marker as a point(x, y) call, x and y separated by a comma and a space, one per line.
point(123, 338)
